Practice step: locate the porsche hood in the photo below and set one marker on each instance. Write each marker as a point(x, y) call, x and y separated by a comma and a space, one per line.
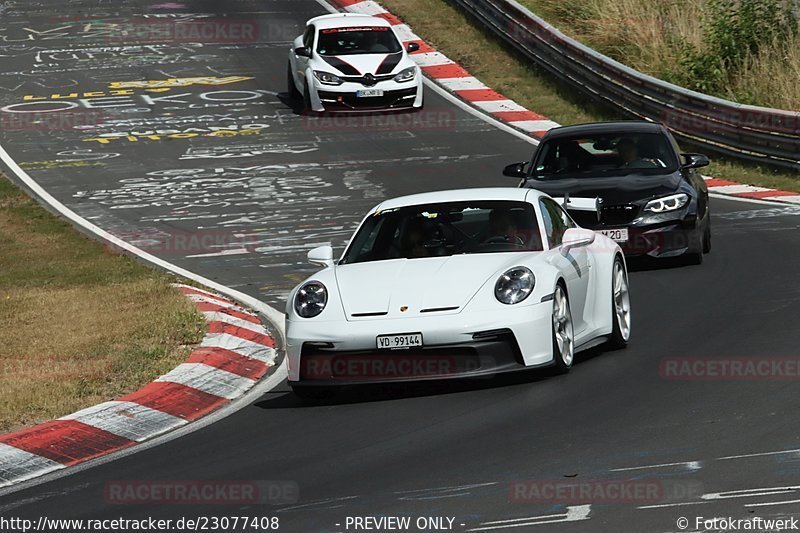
point(407, 287)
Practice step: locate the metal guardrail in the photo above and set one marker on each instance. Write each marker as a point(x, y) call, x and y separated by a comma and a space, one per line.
point(759, 134)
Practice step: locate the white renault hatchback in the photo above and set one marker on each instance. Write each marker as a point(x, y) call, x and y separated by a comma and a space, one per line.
point(352, 62)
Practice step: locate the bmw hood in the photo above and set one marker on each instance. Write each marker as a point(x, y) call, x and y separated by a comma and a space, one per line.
point(613, 190)
point(360, 64)
point(431, 285)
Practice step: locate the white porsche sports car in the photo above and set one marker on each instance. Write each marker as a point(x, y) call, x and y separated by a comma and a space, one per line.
point(456, 283)
point(353, 62)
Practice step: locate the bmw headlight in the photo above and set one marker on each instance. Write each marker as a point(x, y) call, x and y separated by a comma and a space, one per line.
point(514, 285)
point(310, 299)
point(327, 78)
point(407, 74)
point(667, 203)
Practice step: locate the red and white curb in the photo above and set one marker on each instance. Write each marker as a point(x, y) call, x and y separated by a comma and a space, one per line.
point(236, 352)
point(455, 79)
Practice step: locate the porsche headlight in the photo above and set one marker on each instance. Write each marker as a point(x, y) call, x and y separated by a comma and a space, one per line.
point(667, 203)
point(327, 78)
point(310, 299)
point(407, 74)
point(514, 285)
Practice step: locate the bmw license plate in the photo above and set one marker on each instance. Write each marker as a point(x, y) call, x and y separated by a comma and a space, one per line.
point(400, 341)
point(364, 93)
point(617, 235)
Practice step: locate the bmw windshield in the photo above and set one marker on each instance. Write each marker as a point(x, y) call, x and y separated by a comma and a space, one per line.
point(351, 41)
point(443, 229)
point(604, 155)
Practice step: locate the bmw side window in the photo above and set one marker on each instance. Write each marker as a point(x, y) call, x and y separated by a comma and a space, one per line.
point(554, 224)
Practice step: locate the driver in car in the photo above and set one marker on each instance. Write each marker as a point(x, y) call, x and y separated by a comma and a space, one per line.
point(629, 152)
point(503, 228)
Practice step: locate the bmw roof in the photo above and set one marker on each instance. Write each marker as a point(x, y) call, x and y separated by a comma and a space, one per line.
point(620, 126)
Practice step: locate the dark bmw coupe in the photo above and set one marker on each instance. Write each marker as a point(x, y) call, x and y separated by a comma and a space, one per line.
point(629, 181)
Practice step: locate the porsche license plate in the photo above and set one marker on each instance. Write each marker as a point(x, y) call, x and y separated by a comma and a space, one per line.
point(365, 93)
point(618, 235)
point(399, 341)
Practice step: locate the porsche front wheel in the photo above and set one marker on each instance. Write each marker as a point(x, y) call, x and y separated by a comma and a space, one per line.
point(563, 336)
point(620, 306)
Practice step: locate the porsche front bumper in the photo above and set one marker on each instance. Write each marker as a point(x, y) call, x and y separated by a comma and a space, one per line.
point(454, 345)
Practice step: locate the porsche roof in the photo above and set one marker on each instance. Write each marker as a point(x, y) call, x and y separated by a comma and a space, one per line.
point(619, 126)
point(459, 195)
point(347, 20)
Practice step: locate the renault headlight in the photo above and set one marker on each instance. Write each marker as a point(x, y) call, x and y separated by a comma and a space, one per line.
point(407, 74)
point(667, 203)
point(310, 299)
point(326, 78)
point(514, 285)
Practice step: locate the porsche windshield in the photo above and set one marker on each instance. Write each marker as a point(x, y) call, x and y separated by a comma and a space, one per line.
point(350, 41)
point(604, 155)
point(443, 229)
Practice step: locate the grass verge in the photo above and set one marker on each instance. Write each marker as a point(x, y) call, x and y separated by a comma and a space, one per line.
point(79, 324)
point(457, 36)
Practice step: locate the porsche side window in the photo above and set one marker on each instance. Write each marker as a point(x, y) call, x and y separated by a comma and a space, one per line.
point(554, 221)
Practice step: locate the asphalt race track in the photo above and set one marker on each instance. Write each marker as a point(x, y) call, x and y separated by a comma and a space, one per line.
point(221, 176)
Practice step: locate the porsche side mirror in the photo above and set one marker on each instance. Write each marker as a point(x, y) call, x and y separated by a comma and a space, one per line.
point(322, 255)
point(695, 160)
point(412, 47)
point(577, 237)
point(302, 52)
point(515, 170)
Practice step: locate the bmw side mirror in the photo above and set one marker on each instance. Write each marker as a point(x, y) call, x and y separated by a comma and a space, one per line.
point(302, 52)
point(412, 47)
point(576, 237)
point(322, 255)
point(695, 160)
point(515, 170)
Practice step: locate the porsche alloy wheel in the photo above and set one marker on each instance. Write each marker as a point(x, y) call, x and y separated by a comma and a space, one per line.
point(563, 339)
point(621, 306)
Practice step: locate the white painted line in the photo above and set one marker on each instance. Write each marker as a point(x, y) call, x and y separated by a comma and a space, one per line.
point(18, 465)
point(460, 84)
point(767, 504)
point(498, 106)
point(662, 505)
point(787, 198)
point(127, 419)
point(689, 465)
point(573, 514)
point(743, 456)
point(534, 125)
point(216, 316)
point(232, 251)
point(243, 347)
point(748, 493)
point(208, 379)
